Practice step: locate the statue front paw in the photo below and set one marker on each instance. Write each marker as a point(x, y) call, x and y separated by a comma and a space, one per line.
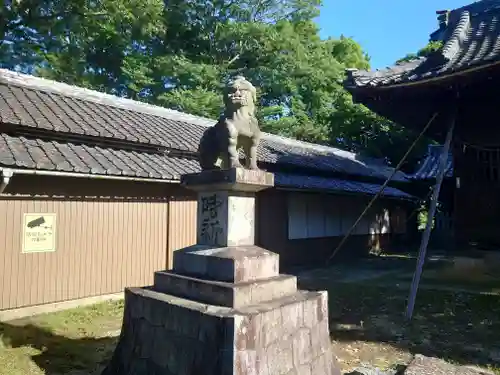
point(236, 165)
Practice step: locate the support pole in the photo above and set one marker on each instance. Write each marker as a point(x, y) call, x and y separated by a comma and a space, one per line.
point(430, 217)
point(379, 193)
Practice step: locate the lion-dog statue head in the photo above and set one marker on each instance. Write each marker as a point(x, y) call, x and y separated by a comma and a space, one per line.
point(237, 128)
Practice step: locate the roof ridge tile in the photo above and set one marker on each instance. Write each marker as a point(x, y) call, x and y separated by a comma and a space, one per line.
point(455, 43)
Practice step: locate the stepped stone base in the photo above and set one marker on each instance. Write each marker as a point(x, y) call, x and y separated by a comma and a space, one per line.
point(193, 321)
point(223, 293)
point(168, 335)
point(224, 309)
point(231, 264)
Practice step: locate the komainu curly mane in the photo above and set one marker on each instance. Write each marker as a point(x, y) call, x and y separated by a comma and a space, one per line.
point(237, 128)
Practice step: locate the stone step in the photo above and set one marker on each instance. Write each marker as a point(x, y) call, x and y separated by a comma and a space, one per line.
point(226, 294)
point(234, 264)
point(167, 335)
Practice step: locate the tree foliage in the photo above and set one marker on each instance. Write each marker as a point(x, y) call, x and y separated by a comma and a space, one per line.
point(180, 53)
point(431, 47)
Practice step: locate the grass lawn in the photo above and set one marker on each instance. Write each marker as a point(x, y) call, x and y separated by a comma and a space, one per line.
point(367, 326)
point(69, 342)
point(476, 281)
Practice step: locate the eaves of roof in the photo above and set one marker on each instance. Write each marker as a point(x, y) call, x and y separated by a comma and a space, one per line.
point(471, 42)
point(429, 166)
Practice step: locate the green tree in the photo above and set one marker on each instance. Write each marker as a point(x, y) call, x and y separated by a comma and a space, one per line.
point(431, 47)
point(180, 53)
point(110, 52)
point(31, 28)
point(298, 75)
point(357, 128)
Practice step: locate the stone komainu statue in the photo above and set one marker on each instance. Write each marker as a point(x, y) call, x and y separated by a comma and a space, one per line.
point(237, 128)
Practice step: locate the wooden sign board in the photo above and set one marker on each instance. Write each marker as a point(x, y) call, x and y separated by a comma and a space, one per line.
point(39, 232)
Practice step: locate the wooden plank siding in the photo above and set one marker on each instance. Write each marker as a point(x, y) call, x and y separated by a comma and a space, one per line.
point(182, 225)
point(102, 246)
point(109, 235)
point(273, 230)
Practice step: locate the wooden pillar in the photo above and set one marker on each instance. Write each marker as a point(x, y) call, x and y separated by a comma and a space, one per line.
point(457, 184)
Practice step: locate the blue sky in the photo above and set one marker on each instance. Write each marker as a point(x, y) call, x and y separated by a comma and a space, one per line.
point(386, 29)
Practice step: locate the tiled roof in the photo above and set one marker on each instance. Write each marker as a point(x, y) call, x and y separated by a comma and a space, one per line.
point(470, 39)
point(429, 166)
point(22, 152)
point(56, 108)
point(335, 185)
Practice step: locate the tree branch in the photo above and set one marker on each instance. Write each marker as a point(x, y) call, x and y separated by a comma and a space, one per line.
point(230, 62)
point(51, 17)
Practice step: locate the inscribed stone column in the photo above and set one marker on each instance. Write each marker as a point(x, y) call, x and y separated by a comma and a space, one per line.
point(226, 210)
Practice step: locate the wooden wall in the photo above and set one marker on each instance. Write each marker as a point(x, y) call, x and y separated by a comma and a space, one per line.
point(109, 235)
point(113, 234)
point(101, 247)
point(272, 233)
point(182, 225)
point(477, 200)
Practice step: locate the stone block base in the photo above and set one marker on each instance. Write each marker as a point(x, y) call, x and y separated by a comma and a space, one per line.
point(234, 264)
point(167, 335)
point(222, 293)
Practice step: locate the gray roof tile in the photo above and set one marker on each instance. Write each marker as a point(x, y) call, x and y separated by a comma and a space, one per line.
point(428, 168)
point(87, 119)
point(471, 39)
point(35, 108)
point(37, 154)
point(69, 120)
point(59, 161)
point(155, 169)
point(69, 157)
point(38, 103)
point(86, 156)
point(5, 153)
point(106, 166)
point(7, 115)
point(12, 104)
point(335, 185)
point(20, 154)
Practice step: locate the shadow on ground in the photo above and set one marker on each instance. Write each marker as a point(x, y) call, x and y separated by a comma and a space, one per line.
point(402, 262)
point(57, 354)
point(455, 326)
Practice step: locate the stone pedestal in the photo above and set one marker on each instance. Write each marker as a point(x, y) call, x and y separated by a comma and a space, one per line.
point(224, 309)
